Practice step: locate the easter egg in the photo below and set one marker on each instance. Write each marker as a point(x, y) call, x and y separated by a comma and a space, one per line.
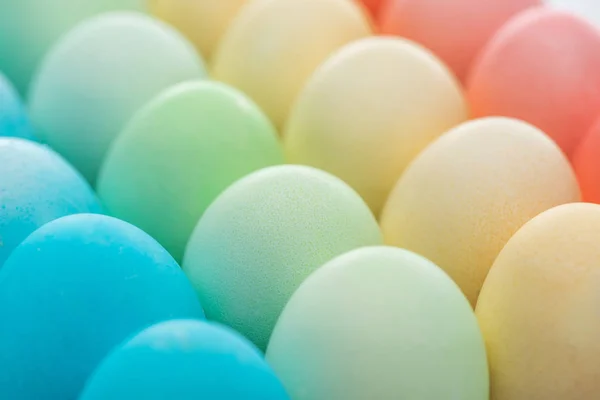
point(73, 290)
point(203, 21)
point(14, 121)
point(514, 76)
point(179, 153)
point(379, 323)
point(538, 308)
point(264, 235)
point(273, 46)
point(456, 31)
point(586, 162)
point(367, 130)
point(30, 27)
point(36, 186)
point(184, 359)
point(373, 6)
point(466, 194)
point(98, 76)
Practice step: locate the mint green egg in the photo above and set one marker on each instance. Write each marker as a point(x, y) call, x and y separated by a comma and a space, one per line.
point(30, 27)
point(98, 75)
point(179, 153)
point(379, 323)
point(264, 235)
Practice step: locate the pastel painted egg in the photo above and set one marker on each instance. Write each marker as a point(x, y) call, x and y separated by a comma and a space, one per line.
point(538, 308)
point(456, 31)
point(373, 6)
point(179, 153)
point(367, 130)
point(203, 21)
point(466, 194)
point(98, 76)
point(36, 186)
point(30, 27)
point(513, 76)
point(586, 162)
point(14, 121)
point(185, 360)
point(379, 323)
point(73, 290)
point(264, 235)
point(273, 46)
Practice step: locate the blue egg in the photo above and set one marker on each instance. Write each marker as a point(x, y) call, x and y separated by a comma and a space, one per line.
point(185, 360)
point(13, 118)
point(36, 186)
point(71, 292)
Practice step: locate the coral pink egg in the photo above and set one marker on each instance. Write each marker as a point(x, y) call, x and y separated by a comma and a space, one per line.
point(543, 67)
point(373, 5)
point(455, 30)
point(587, 165)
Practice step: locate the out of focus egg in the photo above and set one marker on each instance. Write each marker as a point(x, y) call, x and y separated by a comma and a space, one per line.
point(543, 67)
point(179, 153)
point(369, 110)
point(586, 162)
point(73, 290)
point(379, 323)
point(264, 235)
point(538, 309)
point(466, 194)
point(36, 186)
point(273, 46)
point(14, 121)
point(184, 360)
point(98, 76)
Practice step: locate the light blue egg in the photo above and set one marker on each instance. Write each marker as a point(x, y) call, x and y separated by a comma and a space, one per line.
point(36, 186)
point(71, 292)
point(13, 117)
point(185, 360)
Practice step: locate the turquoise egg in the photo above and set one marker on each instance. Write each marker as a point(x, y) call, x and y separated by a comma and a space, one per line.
point(36, 186)
point(185, 360)
point(71, 292)
point(13, 118)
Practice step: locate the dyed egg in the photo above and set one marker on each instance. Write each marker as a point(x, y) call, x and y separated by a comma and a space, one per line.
point(367, 130)
point(373, 6)
point(98, 75)
point(379, 323)
point(184, 359)
point(30, 27)
point(515, 78)
point(456, 31)
point(587, 165)
point(203, 21)
point(264, 235)
point(539, 305)
point(13, 118)
point(36, 187)
point(467, 193)
point(273, 46)
point(179, 153)
point(73, 290)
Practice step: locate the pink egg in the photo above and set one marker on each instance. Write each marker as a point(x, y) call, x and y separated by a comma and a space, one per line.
point(542, 67)
point(455, 31)
point(586, 162)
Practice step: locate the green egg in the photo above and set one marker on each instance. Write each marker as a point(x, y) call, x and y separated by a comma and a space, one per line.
point(379, 323)
point(179, 153)
point(264, 235)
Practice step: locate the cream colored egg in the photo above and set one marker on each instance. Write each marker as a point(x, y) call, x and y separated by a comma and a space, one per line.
point(369, 110)
point(466, 194)
point(538, 309)
point(273, 46)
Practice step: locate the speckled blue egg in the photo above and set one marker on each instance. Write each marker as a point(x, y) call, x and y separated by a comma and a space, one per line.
point(185, 360)
point(71, 292)
point(36, 186)
point(13, 118)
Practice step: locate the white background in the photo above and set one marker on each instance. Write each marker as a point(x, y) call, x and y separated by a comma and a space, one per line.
point(589, 9)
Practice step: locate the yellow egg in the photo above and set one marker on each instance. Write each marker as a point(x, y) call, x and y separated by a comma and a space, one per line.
point(369, 110)
point(467, 193)
point(273, 46)
point(202, 21)
point(538, 309)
